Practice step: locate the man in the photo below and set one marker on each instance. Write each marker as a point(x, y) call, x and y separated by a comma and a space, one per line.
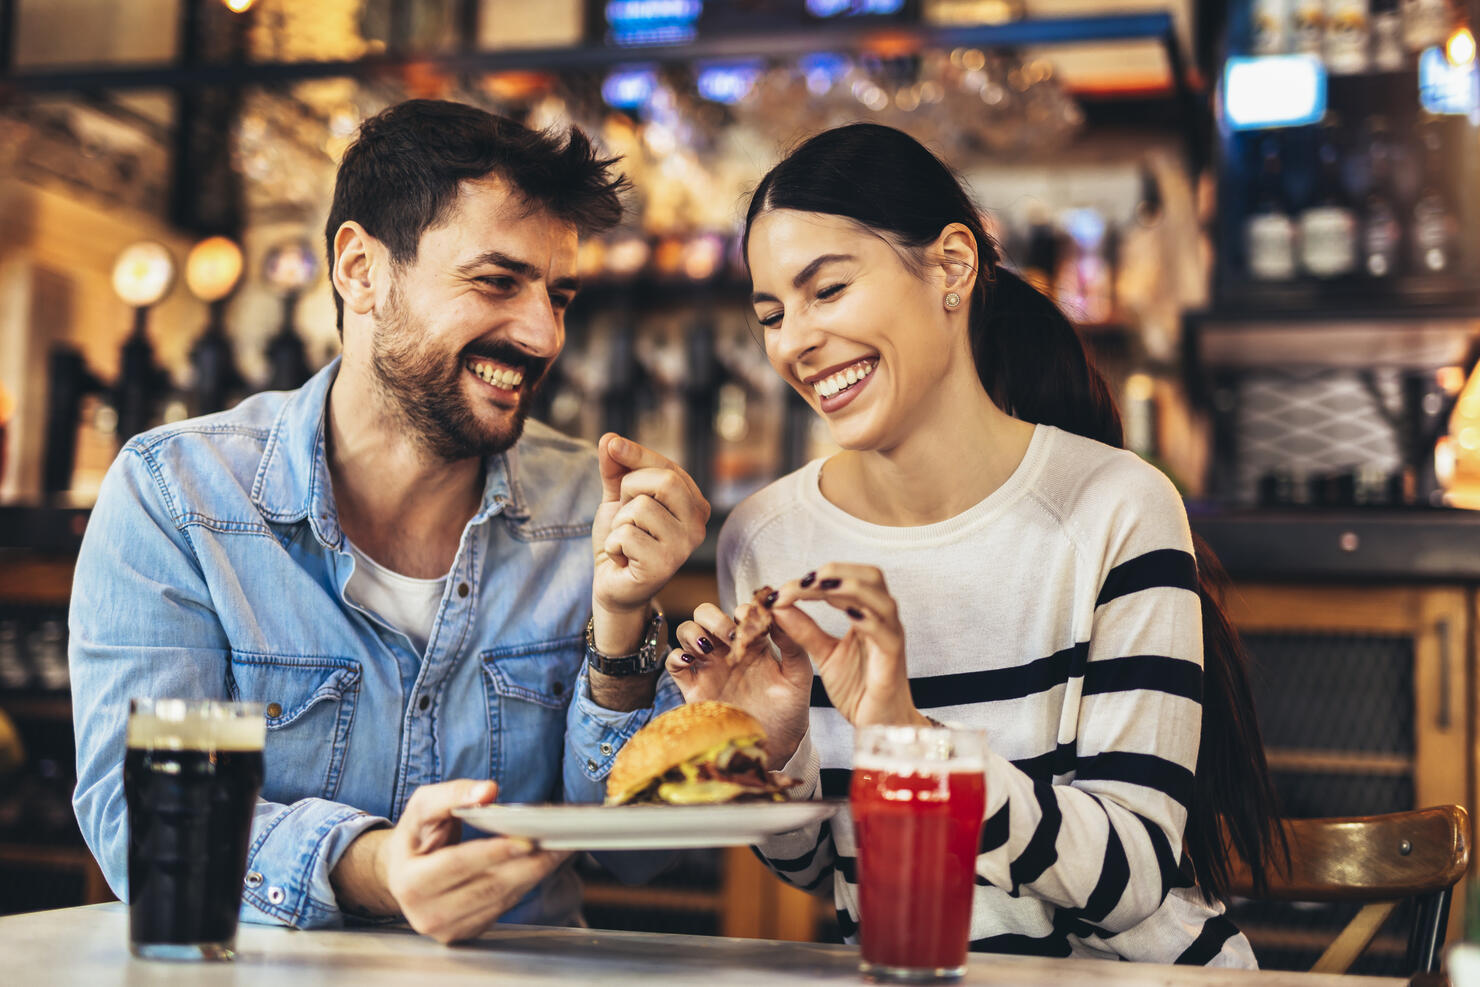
point(387, 565)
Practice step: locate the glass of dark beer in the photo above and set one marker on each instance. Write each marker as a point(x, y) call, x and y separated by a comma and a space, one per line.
point(191, 776)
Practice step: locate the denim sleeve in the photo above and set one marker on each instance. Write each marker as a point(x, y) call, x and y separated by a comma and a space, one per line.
point(593, 736)
point(143, 623)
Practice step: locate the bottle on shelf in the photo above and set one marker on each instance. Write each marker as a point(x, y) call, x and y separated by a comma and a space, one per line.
point(1269, 231)
point(1346, 37)
point(1435, 225)
point(1307, 26)
point(1328, 225)
point(1381, 231)
point(1387, 36)
point(1270, 27)
point(1425, 23)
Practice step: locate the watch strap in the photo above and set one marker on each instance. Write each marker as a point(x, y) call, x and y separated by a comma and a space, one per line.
point(645, 659)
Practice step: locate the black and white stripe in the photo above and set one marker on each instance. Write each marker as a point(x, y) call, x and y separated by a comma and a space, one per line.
point(1060, 616)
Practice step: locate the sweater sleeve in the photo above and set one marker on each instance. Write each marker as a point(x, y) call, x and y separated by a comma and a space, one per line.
point(1098, 833)
point(803, 858)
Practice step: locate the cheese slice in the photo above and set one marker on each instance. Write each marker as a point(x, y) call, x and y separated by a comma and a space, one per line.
point(698, 792)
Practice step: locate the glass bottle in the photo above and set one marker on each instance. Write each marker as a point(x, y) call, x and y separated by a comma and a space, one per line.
point(1269, 232)
point(1381, 230)
point(1347, 36)
point(1328, 225)
point(1435, 227)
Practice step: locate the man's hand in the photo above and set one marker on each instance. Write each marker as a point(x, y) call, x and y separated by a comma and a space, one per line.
point(651, 518)
point(445, 889)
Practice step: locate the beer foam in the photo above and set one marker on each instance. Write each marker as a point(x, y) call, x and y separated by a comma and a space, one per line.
point(196, 730)
point(918, 766)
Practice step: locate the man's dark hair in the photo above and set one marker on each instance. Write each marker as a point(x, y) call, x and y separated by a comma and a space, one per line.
point(400, 176)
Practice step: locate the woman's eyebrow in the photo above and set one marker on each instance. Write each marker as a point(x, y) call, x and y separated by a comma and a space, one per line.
point(803, 276)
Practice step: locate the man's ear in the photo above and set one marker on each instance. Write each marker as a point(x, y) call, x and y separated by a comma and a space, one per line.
point(956, 252)
point(357, 259)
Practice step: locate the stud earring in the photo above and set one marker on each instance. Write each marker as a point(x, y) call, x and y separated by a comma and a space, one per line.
point(952, 299)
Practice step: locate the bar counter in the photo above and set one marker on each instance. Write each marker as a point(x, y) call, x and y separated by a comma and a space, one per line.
point(89, 946)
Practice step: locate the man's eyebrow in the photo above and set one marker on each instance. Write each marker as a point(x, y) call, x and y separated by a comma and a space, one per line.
point(498, 258)
point(803, 276)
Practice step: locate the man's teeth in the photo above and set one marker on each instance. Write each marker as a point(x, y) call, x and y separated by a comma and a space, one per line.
point(497, 376)
point(843, 379)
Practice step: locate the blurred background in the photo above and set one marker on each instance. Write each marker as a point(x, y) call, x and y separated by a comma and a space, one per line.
point(1261, 214)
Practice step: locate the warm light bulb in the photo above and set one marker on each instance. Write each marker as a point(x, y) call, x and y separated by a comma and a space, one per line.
point(143, 273)
point(238, 6)
point(1460, 48)
point(212, 269)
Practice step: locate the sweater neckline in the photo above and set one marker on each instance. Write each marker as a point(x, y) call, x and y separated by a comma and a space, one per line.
point(1017, 483)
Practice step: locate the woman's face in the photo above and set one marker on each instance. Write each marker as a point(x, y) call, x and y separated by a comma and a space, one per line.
point(857, 333)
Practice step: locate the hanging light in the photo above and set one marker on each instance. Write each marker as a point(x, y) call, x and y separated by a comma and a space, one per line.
point(1460, 48)
point(213, 268)
point(143, 273)
point(238, 6)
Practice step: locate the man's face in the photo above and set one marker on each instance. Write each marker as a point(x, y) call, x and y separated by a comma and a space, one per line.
point(469, 328)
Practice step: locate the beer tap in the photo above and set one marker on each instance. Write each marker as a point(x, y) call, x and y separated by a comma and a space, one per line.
point(289, 267)
point(143, 275)
point(211, 272)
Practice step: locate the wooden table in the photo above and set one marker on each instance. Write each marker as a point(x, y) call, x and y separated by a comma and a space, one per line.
point(89, 946)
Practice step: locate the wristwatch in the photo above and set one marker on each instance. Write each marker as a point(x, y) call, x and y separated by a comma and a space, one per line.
point(644, 660)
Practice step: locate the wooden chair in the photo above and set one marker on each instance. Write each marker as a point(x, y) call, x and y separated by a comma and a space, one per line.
point(1379, 860)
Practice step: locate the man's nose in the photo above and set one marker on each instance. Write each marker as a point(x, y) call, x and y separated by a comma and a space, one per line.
point(539, 327)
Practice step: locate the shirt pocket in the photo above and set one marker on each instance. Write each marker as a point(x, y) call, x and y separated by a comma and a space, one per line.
point(310, 704)
point(529, 690)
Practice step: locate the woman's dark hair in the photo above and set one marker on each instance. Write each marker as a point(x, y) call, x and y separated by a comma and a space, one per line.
point(1034, 366)
point(400, 176)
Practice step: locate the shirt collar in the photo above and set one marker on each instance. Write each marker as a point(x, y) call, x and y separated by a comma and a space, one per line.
point(293, 483)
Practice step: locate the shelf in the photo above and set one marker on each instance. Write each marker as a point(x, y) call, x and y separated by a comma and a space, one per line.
point(1338, 762)
point(37, 707)
point(46, 856)
point(668, 899)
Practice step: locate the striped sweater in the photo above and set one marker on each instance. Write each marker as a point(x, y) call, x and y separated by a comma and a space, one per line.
point(1060, 616)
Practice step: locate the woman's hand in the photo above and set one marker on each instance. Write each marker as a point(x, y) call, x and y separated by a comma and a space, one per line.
point(864, 672)
point(775, 688)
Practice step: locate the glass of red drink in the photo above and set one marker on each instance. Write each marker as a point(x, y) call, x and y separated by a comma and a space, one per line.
point(918, 797)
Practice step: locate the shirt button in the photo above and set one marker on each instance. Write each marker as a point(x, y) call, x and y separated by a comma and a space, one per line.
point(424, 702)
point(276, 896)
point(590, 765)
point(606, 749)
point(558, 688)
point(254, 880)
point(462, 589)
point(274, 710)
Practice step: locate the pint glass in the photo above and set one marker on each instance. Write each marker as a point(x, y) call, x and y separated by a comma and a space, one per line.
point(191, 774)
point(917, 797)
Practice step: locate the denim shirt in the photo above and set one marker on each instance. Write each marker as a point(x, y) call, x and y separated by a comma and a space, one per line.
point(214, 566)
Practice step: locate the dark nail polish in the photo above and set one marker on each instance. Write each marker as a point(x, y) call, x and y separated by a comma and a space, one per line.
point(732, 635)
point(854, 612)
point(705, 645)
point(686, 658)
point(830, 584)
point(770, 600)
point(809, 579)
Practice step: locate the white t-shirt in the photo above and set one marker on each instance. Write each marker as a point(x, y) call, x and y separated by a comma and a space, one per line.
point(409, 605)
point(1060, 616)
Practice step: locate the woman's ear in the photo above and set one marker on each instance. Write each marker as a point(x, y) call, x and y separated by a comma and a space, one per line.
point(956, 251)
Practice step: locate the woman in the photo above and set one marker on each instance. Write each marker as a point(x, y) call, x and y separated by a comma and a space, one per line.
point(1042, 582)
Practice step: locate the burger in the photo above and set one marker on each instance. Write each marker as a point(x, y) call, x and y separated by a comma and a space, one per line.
point(701, 753)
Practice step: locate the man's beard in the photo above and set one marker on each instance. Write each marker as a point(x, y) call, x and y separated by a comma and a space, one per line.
point(424, 388)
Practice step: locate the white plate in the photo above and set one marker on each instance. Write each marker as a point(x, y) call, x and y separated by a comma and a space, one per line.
point(646, 827)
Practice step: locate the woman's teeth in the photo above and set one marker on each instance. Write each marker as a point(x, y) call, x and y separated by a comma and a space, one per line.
point(497, 376)
point(843, 379)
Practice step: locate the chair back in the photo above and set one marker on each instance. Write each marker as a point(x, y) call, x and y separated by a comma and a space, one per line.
point(1378, 860)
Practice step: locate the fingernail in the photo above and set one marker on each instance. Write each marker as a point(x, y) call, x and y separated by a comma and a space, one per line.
point(809, 579)
point(770, 600)
point(686, 658)
point(732, 635)
point(705, 645)
point(854, 612)
point(830, 584)
point(521, 848)
point(484, 792)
